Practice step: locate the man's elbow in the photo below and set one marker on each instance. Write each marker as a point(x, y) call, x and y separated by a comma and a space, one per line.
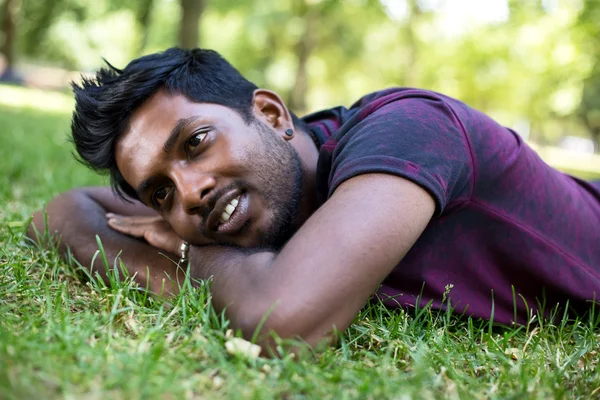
point(47, 221)
point(36, 226)
point(40, 231)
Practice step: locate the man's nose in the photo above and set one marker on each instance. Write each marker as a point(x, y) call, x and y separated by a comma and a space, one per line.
point(194, 189)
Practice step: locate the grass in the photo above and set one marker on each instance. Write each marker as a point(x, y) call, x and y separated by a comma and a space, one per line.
point(62, 338)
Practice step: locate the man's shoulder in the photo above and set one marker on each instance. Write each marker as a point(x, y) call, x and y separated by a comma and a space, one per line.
point(411, 133)
point(328, 122)
point(377, 99)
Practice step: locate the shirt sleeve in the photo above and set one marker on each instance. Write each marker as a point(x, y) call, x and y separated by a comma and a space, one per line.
point(417, 138)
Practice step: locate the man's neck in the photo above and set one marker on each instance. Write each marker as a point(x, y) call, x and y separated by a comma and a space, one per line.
point(306, 146)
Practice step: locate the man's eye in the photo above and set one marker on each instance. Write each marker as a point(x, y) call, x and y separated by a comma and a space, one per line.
point(159, 195)
point(196, 140)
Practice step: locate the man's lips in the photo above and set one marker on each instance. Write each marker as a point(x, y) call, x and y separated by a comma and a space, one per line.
point(236, 218)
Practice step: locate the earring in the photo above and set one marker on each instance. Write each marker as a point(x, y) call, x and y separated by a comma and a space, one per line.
point(289, 133)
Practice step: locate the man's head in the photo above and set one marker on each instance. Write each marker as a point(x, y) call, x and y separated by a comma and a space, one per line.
point(186, 134)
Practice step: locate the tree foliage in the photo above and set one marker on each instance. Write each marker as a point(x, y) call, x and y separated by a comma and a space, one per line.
point(534, 64)
point(589, 109)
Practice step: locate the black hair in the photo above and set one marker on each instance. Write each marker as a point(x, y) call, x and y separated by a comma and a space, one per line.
point(103, 104)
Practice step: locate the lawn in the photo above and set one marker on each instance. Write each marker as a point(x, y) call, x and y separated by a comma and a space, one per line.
point(63, 338)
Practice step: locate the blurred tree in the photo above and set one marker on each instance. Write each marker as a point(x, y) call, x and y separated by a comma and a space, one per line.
point(589, 108)
point(143, 14)
point(40, 16)
point(303, 49)
point(529, 62)
point(300, 48)
point(189, 31)
point(412, 45)
point(142, 11)
point(311, 17)
point(8, 29)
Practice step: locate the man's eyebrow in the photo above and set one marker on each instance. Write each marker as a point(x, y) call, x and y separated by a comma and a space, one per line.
point(175, 132)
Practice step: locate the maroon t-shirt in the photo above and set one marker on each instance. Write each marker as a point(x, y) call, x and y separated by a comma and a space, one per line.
point(510, 233)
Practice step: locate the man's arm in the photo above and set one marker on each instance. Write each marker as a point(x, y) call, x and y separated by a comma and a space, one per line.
point(77, 216)
point(329, 269)
point(318, 282)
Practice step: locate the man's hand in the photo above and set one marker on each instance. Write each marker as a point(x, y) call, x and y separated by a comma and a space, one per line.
point(155, 230)
point(78, 217)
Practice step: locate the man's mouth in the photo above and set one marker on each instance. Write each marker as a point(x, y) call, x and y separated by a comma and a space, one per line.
point(234, 215)
point(229, 209)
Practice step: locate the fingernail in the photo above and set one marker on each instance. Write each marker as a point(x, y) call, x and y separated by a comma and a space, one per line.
point(109, 215)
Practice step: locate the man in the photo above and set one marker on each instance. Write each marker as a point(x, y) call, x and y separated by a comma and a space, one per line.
point(406, 194)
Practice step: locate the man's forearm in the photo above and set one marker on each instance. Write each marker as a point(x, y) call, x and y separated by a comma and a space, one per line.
point(74, 220)
point(246, 285)
point(239, 281)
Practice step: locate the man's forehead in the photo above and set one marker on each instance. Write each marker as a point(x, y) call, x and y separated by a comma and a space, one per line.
point(140, 145)
point(164, 110)
point(160, 109)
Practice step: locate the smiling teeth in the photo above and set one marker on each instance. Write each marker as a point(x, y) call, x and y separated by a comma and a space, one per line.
point(229, 210)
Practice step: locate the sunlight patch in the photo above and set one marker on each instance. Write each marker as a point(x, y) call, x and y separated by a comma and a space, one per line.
point(43, 100)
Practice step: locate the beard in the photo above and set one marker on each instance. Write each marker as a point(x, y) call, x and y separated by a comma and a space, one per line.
point(278, 169)
point(275, 171)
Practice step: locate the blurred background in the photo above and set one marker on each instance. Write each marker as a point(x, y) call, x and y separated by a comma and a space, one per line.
point(534, 65)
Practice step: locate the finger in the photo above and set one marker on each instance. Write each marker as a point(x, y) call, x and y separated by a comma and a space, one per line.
point(135, 219)
point(119, 225)
point(169, 243)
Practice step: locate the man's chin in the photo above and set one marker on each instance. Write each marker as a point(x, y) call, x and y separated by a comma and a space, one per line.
point(277, 238)
point(262, 240)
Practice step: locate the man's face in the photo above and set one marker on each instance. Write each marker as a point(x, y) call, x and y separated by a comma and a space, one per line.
point(213, 177)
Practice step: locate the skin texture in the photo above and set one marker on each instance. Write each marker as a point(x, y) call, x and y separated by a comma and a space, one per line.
point(309, 285)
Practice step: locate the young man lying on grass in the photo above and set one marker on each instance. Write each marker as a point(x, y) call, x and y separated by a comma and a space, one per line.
point(404, 193)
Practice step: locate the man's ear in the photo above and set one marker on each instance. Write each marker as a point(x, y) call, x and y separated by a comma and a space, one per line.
point(270, 108)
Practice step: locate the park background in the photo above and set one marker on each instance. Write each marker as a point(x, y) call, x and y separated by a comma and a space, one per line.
point(534, 65)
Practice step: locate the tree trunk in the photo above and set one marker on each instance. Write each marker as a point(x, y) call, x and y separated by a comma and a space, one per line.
point(143, 19)
point(411, 75)
point(9, 32)
point(189, 28)
point(303, 49)
point(39, 25)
